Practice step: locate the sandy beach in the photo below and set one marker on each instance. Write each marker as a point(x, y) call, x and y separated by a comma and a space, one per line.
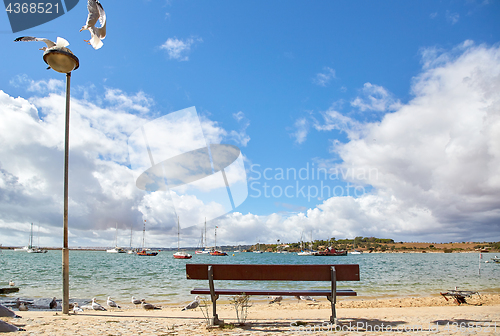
point(481, 315)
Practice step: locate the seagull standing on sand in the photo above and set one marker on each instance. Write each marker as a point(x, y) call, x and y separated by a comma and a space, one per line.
point(96, 12)
point(305, 298)
point(6, 312)
point(148, 306)
point(76, 308)
point(97, 306)
point(276, 299)
point(111, 303)
point(7, 327)
point(135, 301)
point(53, 303)
point(194, 304)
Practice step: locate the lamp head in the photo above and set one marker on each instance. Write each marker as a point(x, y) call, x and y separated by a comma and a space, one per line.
point(61, 59)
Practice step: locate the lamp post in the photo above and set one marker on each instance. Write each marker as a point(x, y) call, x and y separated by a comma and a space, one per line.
point(64, 61)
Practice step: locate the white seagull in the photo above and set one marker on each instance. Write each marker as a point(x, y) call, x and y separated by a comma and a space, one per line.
point(97, 306)
point(112, 303)
point(23, 307)
point(11, 283)
point(96, 12)
point(148, 306)
point(6, 312)
point(135, 301)
point(305, 298)
point(76, 308)
point(59, 44)
point(194, 304)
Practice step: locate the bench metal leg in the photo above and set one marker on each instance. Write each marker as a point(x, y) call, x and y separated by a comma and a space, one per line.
point(333, 297)
point(215, 319)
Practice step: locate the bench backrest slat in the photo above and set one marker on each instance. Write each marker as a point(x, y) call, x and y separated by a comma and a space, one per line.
point(344, 272)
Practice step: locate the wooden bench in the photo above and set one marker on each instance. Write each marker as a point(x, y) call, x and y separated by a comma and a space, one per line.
point(331, 273)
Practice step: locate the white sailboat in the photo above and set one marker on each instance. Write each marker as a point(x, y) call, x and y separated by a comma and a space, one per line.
point(116, 249)
point(203, 242)
point(31, 247)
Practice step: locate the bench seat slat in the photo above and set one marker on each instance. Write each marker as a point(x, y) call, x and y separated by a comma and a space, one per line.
point(311, 292)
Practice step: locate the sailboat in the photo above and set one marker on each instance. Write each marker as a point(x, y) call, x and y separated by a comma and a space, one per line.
point(216, 252)
point(258, 249)
point(180, 254)
point(116, 249)
point(31, 247)
point(306, 253)
point(145, 251)
point(131, 250)
point(354, 251)
point(203, 242)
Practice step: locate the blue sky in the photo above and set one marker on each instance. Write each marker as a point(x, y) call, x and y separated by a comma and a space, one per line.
point(373, 92)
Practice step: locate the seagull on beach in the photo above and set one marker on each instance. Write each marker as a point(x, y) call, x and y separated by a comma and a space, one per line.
point(53, 303)
point(96, 12)
point(135, 301)
point(11, 283)
point(276, 299)
point(76, 308)
point(305, 298)
point(23, 307)
point(96, 306)
point(194, 304)
point(6, 312)
point(111, 303)
point(148, 306)
point(7, 327)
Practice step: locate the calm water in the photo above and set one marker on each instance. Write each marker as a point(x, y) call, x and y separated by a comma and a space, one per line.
point(162, 278)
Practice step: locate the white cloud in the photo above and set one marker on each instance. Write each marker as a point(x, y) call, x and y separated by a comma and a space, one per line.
point(323, 78)
point(452, 17)
point(178, 49)
point(301, 129)
point(375, 98)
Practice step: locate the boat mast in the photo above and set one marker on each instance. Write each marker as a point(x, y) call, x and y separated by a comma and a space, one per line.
point(205, 244)
point(31, 237)
point(215, 239)
point(178, 234)
point(131, 227)
point(143, 234)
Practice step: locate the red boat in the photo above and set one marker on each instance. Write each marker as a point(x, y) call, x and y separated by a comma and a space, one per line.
point(182, 255)
point(331, 252)
point(147, 253)
point(217, 253)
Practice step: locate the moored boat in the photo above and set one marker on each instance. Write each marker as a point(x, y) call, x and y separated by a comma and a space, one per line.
point(179, 254)
point(146, 252)
point(331, 252)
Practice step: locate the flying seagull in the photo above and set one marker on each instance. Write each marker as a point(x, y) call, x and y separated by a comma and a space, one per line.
point(59, 44)
point(96, 12)
point(194, 304)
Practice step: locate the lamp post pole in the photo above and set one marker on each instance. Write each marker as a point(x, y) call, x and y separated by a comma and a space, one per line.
point(64, 61)
point(65, 250)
